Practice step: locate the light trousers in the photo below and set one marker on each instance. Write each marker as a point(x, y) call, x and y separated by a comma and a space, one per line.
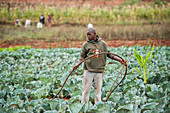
point(88, 78)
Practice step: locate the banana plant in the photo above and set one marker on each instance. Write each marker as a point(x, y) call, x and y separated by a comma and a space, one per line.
point(144, 63)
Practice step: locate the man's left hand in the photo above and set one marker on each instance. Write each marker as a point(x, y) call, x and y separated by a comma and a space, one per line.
point(124, 62)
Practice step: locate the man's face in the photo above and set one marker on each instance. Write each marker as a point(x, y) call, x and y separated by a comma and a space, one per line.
point(91, 35)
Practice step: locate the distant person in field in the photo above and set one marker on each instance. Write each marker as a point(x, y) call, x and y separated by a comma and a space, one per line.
point(27, 23)
point(18, 23)
point(94, 67)
point(49, 20)
point(39, 25)
point(42, 19)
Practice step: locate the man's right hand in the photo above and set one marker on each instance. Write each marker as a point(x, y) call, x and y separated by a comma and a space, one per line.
point(75, 67)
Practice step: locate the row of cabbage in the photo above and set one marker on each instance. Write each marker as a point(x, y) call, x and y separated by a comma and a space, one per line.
point(29, 77)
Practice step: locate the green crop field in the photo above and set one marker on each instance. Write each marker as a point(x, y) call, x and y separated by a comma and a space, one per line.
point(30, 76)
point(127, 13)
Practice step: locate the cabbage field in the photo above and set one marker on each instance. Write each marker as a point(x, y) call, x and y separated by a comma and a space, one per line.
point(30, 77)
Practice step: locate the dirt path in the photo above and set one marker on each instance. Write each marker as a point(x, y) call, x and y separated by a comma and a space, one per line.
point(71, 44)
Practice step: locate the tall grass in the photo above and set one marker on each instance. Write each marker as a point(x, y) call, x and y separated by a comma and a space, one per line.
point(78, 33)
point(129, 14)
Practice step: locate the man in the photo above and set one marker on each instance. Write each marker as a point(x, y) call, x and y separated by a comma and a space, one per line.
point(17, 23)
point(42, 19)
point(49, 20)
point(95, 66)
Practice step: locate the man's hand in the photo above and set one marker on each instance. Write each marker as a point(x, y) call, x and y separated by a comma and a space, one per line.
point(124, 62)
point(76, 66)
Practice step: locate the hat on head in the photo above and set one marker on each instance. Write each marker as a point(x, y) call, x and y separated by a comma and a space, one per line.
point(91, 29)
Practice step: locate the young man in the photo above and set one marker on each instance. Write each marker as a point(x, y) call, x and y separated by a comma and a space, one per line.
point(42, 19)
point(49, 20)
point(18, 23)
point(95, 66)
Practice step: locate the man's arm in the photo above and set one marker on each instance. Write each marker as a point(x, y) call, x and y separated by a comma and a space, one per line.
point(120, 60)
point(116, 58)
point(81, 57)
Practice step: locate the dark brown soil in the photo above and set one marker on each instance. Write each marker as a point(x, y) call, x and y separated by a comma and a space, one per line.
point(71, 44)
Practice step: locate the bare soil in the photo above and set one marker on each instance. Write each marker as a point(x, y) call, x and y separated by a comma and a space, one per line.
point(78, 44)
